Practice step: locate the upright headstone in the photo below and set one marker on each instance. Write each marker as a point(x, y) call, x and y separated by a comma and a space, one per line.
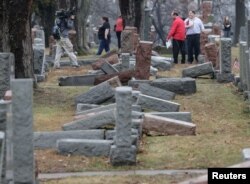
point(242, 50)
point(143, 60)
point(127, 43)
point(6, 73)
point(146, 23)
point(247, 70)
point(23, 154)
point(123, 152)
point(248, 31)
point(125, 61)
point(225, 73)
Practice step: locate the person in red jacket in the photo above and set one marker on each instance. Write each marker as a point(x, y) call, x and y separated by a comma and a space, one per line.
point(118, 28)
point(177, 34)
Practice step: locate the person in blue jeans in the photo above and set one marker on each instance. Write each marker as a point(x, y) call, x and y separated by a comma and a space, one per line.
point(104, 36)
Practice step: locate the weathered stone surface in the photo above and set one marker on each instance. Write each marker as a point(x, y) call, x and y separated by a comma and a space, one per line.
point(161, 63)
point(225, 55)
point(39, 59)
point(247, 69)
point(149, 90)
point(243, 34)
point(224, 77)
point(143, 60)
point(85, 80)
point(157, 104)
point(198, 70)
point(2, 154)
point(137, 124)
point(242, 59)
point(114, 82)
point(123, 116)
point(97, 94)
point(6, 60)
point(22, 116)
point(118, 67)
point(246, 153)
point(84, 107)
point(156, 125)
point(136, 108)
point(97, 109)
point(125, 61)
point(94, 121)
point(135, 96)
point(206, 7)
point(122, 155)
point(176, 85)
point(112, 59)
point(204, 39)
point(45, 140)
point(40, 78)
point(127, 41)
point(135, 83)
point(108, 68)
point(182, 116)
point(84, 147)
point(212, 54)
point(110, 135)
point(124, 76)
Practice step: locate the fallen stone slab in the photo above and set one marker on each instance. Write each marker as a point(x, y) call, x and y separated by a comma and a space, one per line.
point(157, 104)
point(113, 59)
point(90, 148)
point(97, 94)
point(97, 120)
point(246, 154)
point(135, 83)
point(97, 109)
point(45, 140)
point(149, 90)
point(108, 68)
point(177, 85)
point(114, 82)
point(136, 108)
point(83, 107)
point(118, 67)
point(85, 80)
point(124, 77)
point(161, 63)
point(135, 96)
point(198, 70)
point(156, 125)
point(137, 124)
point(182, 116)
point(95, 72)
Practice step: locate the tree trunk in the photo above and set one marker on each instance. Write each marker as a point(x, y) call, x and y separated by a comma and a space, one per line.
point(17, 35)
point(131, 11)
point(83, 7)
point(240, 19)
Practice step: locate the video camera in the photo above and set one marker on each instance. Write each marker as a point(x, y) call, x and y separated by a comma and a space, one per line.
point(62, 14)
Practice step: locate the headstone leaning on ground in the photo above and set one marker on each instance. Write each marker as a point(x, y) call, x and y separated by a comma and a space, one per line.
point(123, 152)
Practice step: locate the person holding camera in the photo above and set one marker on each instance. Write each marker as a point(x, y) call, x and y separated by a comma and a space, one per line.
point(104, 36)
point(65, 22)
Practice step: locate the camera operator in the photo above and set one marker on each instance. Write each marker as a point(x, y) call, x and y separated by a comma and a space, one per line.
point(65, 22)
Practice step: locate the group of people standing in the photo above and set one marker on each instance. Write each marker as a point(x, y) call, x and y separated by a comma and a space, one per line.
point(184, 32)
point(104, 33)
point(185, 35)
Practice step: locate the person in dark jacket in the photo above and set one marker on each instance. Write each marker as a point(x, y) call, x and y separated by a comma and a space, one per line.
point(104, 36)
point(227, 27)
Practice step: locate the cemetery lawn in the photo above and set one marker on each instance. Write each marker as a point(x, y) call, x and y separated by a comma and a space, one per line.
point(218, 110)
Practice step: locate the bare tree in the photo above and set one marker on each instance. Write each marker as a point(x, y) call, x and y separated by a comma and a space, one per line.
point(132, 11)
point(16, 35)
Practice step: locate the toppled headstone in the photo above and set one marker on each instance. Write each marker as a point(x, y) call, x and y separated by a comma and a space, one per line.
point(161, 63)
point(111, 59)
point(97, 109)
point(97, 94)
point(157, 104)
point(135, 83)
point(84, 147)
point(198, 70)
point(156, 125)
point(83, 107)
point(85, 80)
point(108, 68)
point(177, 85)
point(149, 90)
point(93, 121)
point(47, 140)
point(182, 116)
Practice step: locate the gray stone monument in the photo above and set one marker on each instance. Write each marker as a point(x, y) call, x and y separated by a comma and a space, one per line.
point(123, 152)
point(243, 46)
point(6, 72)
point(125, 61)
point(225, 73)
point(23, 154)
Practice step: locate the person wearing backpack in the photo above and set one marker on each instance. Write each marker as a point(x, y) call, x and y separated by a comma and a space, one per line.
point(63, 24)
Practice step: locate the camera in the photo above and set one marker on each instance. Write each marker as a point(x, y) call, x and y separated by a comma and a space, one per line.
point(62, 14)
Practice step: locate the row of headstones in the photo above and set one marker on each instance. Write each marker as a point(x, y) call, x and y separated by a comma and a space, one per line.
point(16, 135)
